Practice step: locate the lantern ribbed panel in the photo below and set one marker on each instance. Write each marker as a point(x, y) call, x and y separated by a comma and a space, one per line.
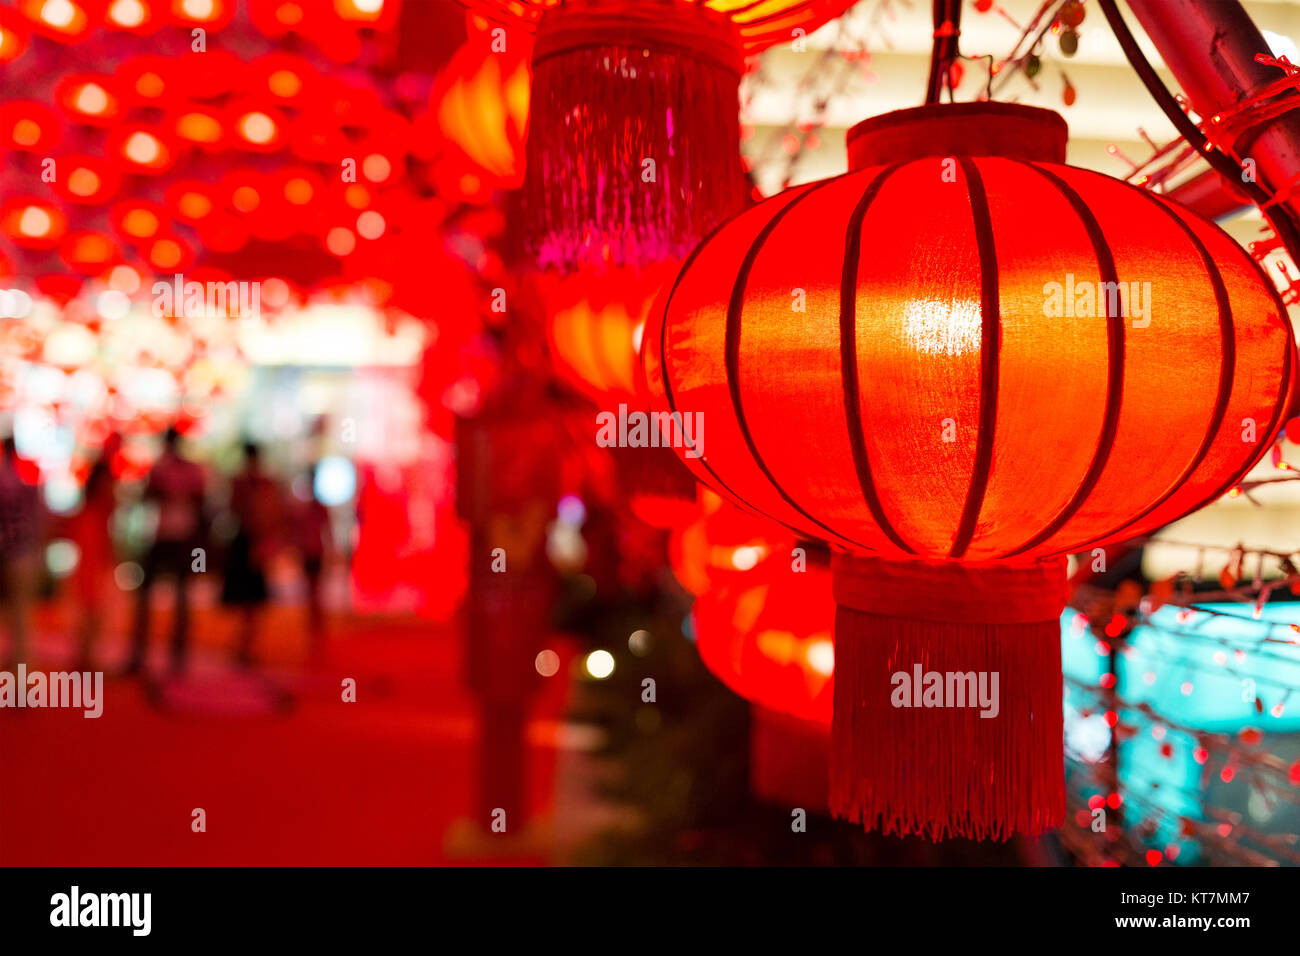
point(929, 402)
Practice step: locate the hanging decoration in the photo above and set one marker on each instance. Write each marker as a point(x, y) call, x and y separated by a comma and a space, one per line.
point(634, 140)
point(888, 359)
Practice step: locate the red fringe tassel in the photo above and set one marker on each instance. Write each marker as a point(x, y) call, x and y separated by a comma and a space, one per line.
point(597, 114)
point(945, 771)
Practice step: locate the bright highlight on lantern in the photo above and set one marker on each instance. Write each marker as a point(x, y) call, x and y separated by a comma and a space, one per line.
point(257, 127)
point(142, 148)
point(59, 14)
point(92, 99)
point(600, 664)
point(35, 222)
point(127, 13)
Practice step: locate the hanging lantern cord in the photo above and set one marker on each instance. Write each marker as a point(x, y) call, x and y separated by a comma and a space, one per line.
point(1285, 227)
point(947, 24)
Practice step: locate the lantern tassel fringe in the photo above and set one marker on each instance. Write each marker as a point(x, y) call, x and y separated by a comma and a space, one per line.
point(945, 771)
point(599, 115)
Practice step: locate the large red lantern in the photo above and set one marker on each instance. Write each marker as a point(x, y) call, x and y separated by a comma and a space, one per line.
point(633, 148)
point(912, 363)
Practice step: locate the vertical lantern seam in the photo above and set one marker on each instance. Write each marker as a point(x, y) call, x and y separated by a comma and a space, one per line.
point(668, 388)
point(1115, 364)
point(735, 307)
point(990, 354)
point(1227, 369)
point(1288, 348)
point(849, 358)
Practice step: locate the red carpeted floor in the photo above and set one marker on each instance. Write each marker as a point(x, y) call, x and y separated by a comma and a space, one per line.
point(284, 770)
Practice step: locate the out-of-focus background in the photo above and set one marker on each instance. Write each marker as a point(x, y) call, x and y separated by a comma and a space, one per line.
point(261, 293)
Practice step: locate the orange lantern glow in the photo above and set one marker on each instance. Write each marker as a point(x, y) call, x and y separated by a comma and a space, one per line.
point(481, 101)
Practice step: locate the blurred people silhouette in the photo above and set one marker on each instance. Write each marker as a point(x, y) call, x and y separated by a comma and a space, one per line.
point(20, 549)
point(91, 531)
point(176, 486)
point(257, 505)
point(314, 542)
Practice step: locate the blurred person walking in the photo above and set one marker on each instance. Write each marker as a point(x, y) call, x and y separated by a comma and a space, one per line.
point(91, 531)
point(258, 506)
point(314, 542)
point(176, 486)
point(20, 550)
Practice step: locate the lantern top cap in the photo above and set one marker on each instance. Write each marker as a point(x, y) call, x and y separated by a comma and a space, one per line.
point(1009, 130)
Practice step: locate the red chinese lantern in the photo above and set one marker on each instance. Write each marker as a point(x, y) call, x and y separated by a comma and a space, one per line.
point(594, 325)
point(910, 362)
point(481, 103)
point(723, 544)
point(769, 638)
point(634, 141)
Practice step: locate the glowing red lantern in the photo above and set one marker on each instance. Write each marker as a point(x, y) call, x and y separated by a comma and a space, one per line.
point(14, 35)
point(86, 179)
point(634, 141)
point(29, 126)
point(33, 223)
point(191, 201)
point(89, 98)
point(481, 102)
point(896, 362)
point(90, 253)
point(62, 20)
point(150, 81)
point(138, 220)
point(257, 127)
point(141, 149)
point(133, 16)
point(199, 126)
point(770, 640)
point(209, 14)
point(594, 325)
point(723, 545)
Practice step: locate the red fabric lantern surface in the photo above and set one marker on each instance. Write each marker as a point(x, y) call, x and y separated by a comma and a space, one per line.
point(594, 322)
point(634, 138)
point(481, 103)
point(910, 362)
point(770, 638)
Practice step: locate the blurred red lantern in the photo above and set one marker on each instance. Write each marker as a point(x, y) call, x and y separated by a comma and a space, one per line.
point(141, 149)
point(64, 20)
point(86, 179)
point(29, 126)
point(169, 254)
point(191, 201)
point(634, 141)
point(258, 127)
point(284, 77)
point(32, 223)
point(723, 545)
point(150, 81)
point(15, 36)
point(134, 16)
point(90, 253)
point(138, 220)
point(481, 102)
point(886, 362)
point(89, 98)
point(594, 325)
point(770, 640)
point(209, 14)
point(199, 126)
